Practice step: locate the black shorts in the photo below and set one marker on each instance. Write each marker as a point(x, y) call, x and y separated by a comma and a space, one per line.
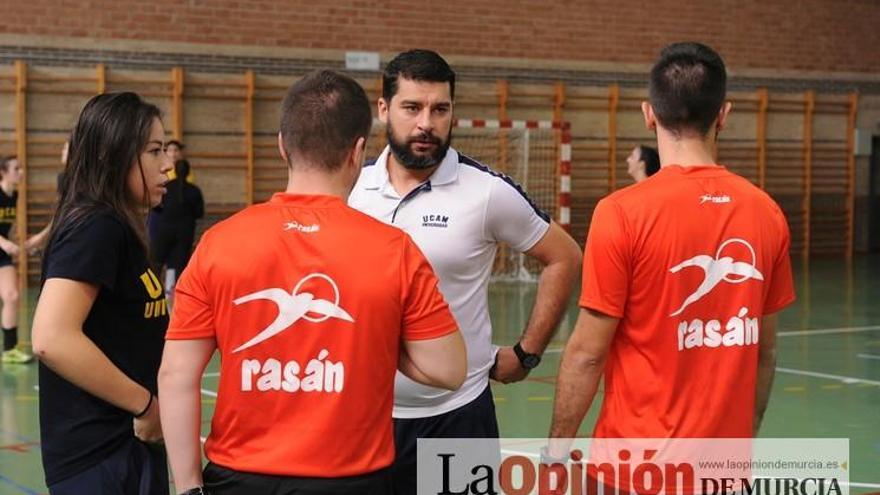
point(475, 419)
point(135, 468)
point(222, 481)
point(5, 259)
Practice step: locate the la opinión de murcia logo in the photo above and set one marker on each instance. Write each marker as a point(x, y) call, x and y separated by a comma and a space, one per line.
point(294, 306)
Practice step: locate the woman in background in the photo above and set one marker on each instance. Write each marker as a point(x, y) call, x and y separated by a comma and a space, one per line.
point(10, 174)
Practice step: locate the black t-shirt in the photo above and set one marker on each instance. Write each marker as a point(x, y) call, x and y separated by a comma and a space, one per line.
point(7, 212)
point(180, 208)
point(127, 322)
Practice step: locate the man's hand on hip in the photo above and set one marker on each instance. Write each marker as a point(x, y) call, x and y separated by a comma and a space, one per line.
point(507, 368)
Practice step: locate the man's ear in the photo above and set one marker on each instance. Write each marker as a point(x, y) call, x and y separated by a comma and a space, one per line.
point(650, 119)
point(282, 150)
point(382, 107)
point(722, 116)
point(358, 153)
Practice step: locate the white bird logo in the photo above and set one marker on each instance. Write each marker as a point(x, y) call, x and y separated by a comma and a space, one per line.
point(717, 269)
point(293, 306)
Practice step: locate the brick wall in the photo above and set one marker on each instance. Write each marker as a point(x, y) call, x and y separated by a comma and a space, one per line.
point(815, 35)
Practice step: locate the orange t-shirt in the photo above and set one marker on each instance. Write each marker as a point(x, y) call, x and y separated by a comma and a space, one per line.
point(308, 301)
point(690, 260)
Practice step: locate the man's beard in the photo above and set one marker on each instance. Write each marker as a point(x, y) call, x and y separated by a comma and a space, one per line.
point(404, 154)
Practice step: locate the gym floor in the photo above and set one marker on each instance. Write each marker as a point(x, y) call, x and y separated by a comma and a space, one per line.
point(827, 383)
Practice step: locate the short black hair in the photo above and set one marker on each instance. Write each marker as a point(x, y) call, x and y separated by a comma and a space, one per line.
point(322, 117)
point(416, 65)
point(651, 158)
point(687, 88)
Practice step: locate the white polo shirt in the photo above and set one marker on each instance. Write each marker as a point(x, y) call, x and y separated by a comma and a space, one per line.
point(457, 218)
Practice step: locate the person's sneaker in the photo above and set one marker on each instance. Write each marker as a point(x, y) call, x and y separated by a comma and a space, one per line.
point(16, 356)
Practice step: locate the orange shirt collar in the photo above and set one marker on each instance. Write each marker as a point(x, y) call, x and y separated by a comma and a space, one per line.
point(307, 200)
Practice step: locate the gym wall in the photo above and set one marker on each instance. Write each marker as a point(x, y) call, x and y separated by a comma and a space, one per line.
point(218, 70)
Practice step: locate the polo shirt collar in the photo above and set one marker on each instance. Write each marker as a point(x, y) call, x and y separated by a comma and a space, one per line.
point(446, 173)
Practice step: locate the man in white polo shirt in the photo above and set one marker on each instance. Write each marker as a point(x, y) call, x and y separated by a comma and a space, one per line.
point(457, 211)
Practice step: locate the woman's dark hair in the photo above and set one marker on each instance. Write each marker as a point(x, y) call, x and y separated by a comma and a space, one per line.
point(112, 131)
point(651, 158)
point(5, 161)
point(174, 188)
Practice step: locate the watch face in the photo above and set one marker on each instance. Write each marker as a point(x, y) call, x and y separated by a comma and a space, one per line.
point(531, 361)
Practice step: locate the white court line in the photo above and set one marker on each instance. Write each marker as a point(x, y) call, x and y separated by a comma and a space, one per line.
point(868, 356)
point(863, 485)
point(795, 333)
point(213, 373)
point(829, 331)
point(209, 393)
point(845, 379)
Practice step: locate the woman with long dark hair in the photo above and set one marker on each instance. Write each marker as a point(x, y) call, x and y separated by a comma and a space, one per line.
point(100, 321)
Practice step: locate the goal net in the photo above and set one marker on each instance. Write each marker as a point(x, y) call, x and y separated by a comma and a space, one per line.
point(534, 154)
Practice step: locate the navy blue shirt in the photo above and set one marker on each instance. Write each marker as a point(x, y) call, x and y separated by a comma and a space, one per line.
point(127, 322)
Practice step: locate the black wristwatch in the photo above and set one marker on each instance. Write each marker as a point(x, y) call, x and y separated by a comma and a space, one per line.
point(199, 490)
point(528, 361)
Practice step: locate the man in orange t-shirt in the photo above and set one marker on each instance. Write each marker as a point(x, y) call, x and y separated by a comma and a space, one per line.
point(313, 306)
point(683, 274)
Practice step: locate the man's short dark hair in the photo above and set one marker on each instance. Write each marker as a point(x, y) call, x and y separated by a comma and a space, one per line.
point(322, 117)
point(416, 65)
point(687, 88)
point(651, 158)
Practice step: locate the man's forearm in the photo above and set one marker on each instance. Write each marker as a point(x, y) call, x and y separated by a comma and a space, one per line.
point(766, 368)
point(181, 414)
point(763, 386)
point(576, 387)
point(554, 288)
point(180, 377)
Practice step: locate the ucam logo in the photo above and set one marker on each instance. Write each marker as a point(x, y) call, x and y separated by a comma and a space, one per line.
point(320, 374)
point(441, 221)
point(740, 329)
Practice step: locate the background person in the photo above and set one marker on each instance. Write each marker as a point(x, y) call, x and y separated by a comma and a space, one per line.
point(642, 162)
